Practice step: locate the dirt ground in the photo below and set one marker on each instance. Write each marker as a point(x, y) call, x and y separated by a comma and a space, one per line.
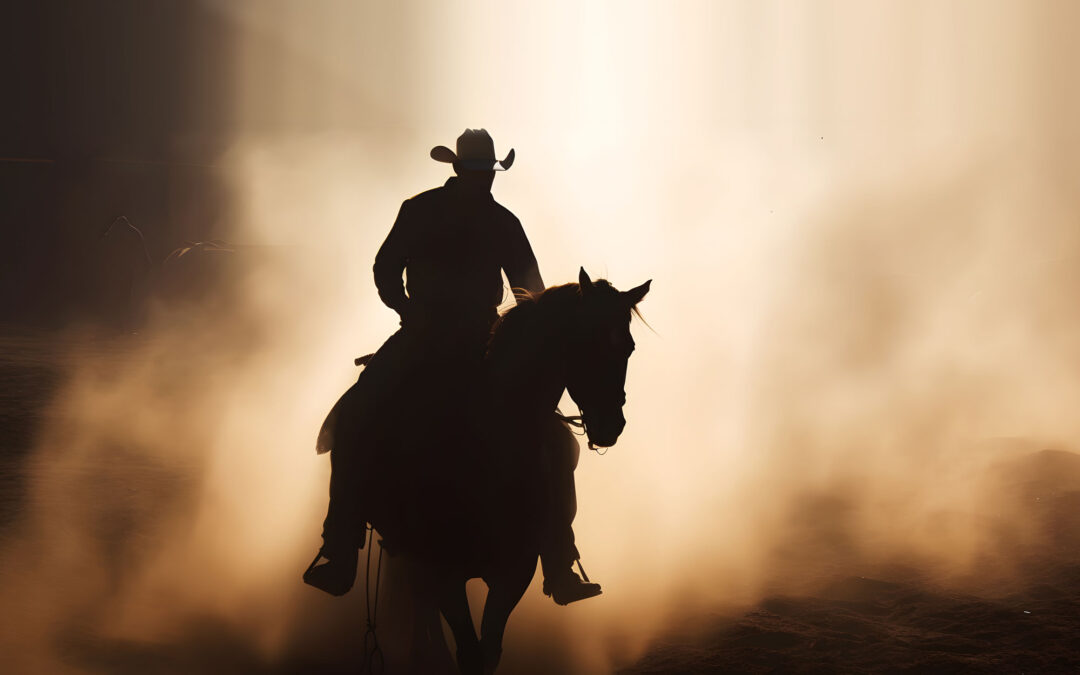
point(1018, 612)
point(862, 625)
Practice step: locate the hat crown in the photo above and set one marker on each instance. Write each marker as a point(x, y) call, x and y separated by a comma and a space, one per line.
point(475, 144)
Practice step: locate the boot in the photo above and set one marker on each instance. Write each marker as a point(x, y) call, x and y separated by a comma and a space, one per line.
point(336, 575)
point(568, 587)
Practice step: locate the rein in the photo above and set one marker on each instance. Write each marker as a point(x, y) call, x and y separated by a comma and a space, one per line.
point(578, 422)
point(374, 662)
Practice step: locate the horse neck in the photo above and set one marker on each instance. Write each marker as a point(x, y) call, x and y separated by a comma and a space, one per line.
point(135, 235)
point(146, 259)
point(529, 371)
point(124, 234)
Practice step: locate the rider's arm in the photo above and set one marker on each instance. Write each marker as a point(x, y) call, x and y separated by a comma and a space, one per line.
point(520, 264)
point(390, 262)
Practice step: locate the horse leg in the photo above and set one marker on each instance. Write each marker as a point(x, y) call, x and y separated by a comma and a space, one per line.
point(503, 596)
point(454, 604)
point(430, 650)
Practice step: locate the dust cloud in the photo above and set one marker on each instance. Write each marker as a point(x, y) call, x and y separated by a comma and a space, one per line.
point(861, 224)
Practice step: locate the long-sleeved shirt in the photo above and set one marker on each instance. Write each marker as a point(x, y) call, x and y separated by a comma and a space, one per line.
point(454, 247)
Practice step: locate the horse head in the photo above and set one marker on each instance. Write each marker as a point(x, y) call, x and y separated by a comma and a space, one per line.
point(599, 348)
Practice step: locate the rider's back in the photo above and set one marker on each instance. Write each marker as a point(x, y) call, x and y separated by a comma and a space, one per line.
point(455, 246)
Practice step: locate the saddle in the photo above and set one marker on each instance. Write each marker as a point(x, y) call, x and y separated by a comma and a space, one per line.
point(324, 442)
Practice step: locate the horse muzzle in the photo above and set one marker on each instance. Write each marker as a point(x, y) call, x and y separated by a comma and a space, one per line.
point(604, 430)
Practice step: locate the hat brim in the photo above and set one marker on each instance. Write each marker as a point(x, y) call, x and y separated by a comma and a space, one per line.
point(441, 153)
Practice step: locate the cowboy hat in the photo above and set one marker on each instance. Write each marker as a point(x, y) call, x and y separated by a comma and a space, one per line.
point(475, 152)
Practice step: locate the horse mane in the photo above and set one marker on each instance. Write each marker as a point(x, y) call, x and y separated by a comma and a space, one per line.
point(519, 323)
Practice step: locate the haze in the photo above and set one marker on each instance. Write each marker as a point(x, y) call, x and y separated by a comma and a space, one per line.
point(861, 223)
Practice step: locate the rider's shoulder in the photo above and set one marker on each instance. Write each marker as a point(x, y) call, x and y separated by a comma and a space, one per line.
point(428, 196)
point(505, 215)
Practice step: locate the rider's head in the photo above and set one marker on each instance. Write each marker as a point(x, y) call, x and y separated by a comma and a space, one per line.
point(474, 181)
point(474, 162)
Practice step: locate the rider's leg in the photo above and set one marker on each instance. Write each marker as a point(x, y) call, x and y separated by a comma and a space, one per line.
point(345, 527)
point(558, 551)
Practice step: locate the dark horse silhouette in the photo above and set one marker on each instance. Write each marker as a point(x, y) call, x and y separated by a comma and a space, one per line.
point(464, 492)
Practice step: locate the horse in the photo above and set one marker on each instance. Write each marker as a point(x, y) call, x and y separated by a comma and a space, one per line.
point(125, 270)
point(200, 275)
point(466, 498)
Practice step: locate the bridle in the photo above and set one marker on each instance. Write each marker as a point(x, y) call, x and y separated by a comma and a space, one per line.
point(578, 422)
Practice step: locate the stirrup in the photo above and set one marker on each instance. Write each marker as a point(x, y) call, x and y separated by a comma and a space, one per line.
point(571, 588)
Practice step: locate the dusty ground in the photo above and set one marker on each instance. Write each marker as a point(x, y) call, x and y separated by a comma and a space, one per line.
point(1018, 612)
point(862, 625)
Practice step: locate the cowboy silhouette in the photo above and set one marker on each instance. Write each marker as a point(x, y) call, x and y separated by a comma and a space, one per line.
point(453, 243)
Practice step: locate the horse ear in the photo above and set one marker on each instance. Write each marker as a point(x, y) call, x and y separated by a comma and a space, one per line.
point(583, 280)
point(637, 294)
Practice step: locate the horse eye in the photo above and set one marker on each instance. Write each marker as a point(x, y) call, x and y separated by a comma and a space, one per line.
point(620, 342)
